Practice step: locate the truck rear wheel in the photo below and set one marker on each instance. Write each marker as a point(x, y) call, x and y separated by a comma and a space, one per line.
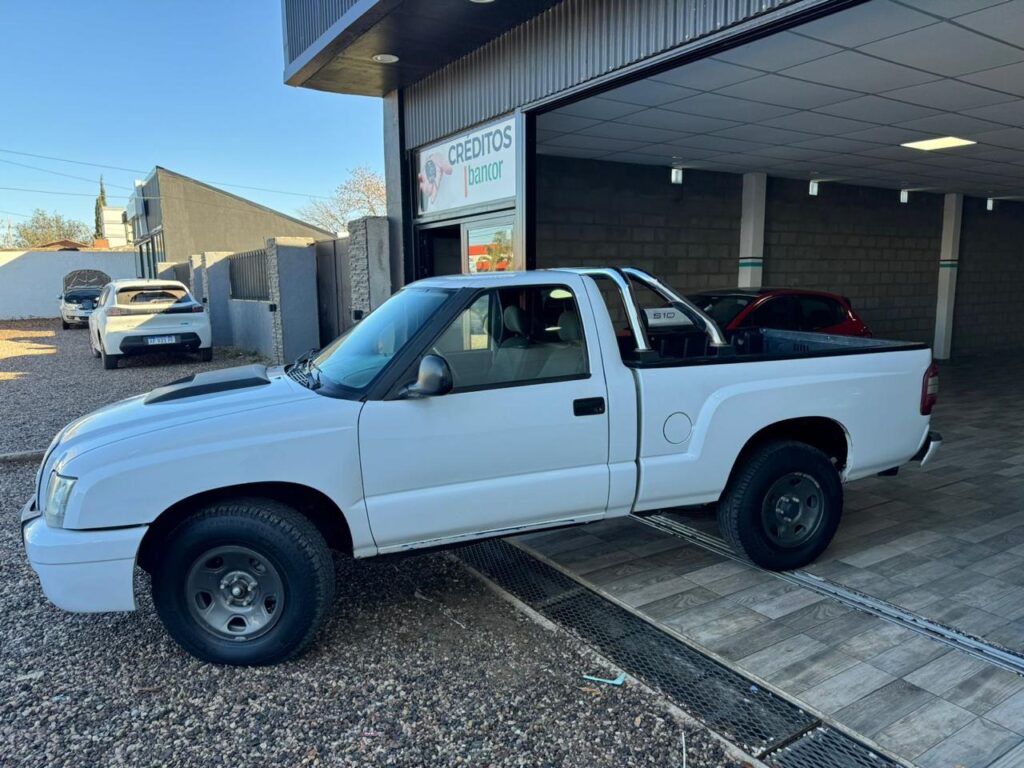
point(245, 582)
point(783, 505)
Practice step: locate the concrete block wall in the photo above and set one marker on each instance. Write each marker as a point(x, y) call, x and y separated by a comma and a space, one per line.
point(860, 242)
point(594, 213)
point(252, 327)
point(216, 288)
point(291, 276)
point(367, 279)
point(990, 279)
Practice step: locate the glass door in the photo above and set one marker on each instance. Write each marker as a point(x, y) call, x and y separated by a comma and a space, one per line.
point(487, 246)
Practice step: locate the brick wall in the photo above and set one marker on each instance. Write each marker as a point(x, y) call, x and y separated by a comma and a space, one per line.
point(860, 242)
point(990, 279)
point(592, 213)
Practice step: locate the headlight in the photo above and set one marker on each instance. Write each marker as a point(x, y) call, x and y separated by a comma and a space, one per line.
point(58, 490)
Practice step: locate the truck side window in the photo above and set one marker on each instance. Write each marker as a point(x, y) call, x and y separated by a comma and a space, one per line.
point(509, 336)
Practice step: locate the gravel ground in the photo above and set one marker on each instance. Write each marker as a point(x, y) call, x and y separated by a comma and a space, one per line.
point(48, 377)
point(419, 665)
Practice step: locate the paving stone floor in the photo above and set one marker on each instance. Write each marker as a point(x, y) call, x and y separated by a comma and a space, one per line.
point(946, 541)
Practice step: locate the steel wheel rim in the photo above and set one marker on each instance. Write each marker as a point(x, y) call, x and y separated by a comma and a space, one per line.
point(793, 510)
point(234, 593)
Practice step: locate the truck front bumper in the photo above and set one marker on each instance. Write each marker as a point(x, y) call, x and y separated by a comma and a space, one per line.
point(928, 448)
point(82, 571)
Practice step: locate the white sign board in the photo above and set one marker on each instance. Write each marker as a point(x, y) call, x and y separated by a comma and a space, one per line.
point(478, 166)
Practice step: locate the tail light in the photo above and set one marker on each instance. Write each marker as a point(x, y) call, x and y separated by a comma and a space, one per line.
point(929, 389)
point(118, 312)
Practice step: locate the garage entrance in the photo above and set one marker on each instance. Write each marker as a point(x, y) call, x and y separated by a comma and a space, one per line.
point(876, 154)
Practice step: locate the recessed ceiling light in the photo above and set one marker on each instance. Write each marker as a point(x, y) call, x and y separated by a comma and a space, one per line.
point(481, 2)
point(385, 58)
point(946, 142)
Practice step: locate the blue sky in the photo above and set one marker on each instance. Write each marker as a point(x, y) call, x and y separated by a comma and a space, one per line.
point(193, 86)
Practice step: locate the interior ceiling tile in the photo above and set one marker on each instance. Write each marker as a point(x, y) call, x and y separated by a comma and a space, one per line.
point(849, 69)
point(763, 134)
point(544, 135)
point(718, 144)
point(815, 122)
point(727, 108)
point(1009, 78)
point(794, 153)
point(1003, 22)
point(951, 124)
point(635, 132)
point(878, 109)
point(678, 151)
point(866, 23)
point(1009, 113)
point(598, 108)
point(887, 134)
point(563, 123)
point(997, 154)
point(1012, 138)
point(707, 75)
point(949, 95)
point(945, 49)
point(635, 158)
point(787, 92)
point(589, 154)
point(777, 52)
point(594, 142)
point(649, 93)
point(676, 121)
point(837, 144)
point(951, 8)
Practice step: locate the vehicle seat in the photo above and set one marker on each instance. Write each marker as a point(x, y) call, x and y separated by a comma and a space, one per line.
point(510, 354)
point(564, 357)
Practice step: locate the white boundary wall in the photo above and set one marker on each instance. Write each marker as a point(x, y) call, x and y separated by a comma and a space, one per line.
point(30, 281)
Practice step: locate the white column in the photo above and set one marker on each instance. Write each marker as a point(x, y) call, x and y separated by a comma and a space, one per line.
point(949, 260)
point(752, 230)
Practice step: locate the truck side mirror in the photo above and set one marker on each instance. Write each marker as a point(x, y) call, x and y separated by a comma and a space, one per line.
point(433, 379)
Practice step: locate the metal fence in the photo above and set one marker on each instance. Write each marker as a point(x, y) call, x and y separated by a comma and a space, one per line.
point(248, 275)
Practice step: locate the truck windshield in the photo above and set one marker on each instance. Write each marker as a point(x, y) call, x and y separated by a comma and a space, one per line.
point(353, 360)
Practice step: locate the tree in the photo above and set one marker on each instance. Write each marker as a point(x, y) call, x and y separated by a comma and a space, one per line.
point(43, 227)
point(100, 202)
point(362, 194)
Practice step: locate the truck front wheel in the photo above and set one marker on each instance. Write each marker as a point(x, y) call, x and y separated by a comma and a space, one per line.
point(245, 582)
point(782, 506)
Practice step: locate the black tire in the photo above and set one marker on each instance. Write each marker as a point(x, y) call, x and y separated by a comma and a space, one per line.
point(752, 524)
point(109, 361)
point(95, 349)
point(64, 324)
point(295, 553)
point(206, 354)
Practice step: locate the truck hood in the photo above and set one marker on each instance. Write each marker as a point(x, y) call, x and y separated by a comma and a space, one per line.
point(186, 401)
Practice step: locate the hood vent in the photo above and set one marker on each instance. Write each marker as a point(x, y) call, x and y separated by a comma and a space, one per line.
point(210, 382)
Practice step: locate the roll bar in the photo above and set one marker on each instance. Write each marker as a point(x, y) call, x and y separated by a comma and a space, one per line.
point(618, 276)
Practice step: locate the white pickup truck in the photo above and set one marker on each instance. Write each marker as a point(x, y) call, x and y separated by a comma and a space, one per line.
point(462, 408)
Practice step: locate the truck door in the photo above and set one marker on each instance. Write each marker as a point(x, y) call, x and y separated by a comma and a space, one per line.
point(521, 440)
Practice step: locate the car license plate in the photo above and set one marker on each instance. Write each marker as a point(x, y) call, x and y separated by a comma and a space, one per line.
point(160, 339)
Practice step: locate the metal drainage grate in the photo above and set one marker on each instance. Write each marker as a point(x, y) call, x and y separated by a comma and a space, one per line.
point(749, 716)
point(827, 748)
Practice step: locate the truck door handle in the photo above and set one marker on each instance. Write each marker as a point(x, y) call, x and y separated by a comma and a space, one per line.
point(588, 406)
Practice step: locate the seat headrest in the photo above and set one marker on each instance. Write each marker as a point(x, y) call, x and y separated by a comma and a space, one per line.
point(569, 326)
point(512, 317)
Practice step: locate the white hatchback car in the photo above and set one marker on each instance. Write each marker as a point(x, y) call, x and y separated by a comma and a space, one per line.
point(139, 316)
